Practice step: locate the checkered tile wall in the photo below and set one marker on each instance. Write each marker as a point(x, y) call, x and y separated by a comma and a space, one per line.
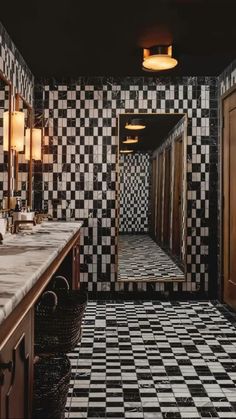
point(134, 188)
point(14, 67)
point(79, 180)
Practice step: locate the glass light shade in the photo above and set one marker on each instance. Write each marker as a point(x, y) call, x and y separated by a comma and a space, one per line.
point(126, 151)
point(27, 144)
point(158, 58)
point(130, 140)
point(5, 131)
point(17, 133)
point(135, 124)
point(36, 144)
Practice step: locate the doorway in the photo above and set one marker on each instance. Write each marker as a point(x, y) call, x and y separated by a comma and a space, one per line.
point(229, 198)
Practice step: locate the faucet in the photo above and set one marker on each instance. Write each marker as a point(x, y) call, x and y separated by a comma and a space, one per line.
point(17, 223)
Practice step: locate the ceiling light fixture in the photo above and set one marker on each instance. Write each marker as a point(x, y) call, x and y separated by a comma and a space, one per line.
point(158, 58)
point(126, 151)
point(130, 140)
point(134, 124)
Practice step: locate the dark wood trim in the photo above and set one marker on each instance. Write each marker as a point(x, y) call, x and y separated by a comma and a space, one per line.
point(11, 323)
point(221, 199)
point(9, 174)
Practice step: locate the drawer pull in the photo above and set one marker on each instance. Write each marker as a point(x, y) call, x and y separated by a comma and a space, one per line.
point(6, 366)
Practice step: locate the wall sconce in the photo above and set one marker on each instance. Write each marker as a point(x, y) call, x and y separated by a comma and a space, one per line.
point(135, 124)
point(17, 130)
point(158, 58)
point(130, 140)
point(36, 144)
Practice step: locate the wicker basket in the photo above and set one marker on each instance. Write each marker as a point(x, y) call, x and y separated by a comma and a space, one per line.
point(58, 318)
point(51, 385)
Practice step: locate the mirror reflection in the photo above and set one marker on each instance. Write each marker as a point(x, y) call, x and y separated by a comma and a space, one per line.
point(5, 102)
point(152, 197)
point(23, 153)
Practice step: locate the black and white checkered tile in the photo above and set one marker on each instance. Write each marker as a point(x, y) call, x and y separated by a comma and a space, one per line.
point(134, 191)
point(141, 259)
point(154, 360)
point(79, 178)
point(14, 67)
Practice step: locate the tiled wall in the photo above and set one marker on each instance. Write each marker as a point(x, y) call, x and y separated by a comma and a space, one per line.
point(180, 129)
point(14, 67)
point(80, 160)
point(134, 170)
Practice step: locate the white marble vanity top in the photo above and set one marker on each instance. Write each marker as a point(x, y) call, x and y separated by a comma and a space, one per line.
point(24, 257)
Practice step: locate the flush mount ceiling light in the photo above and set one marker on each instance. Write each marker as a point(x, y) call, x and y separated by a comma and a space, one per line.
point(135, 123)
point(130, 140)
point(158, 58)
point(126, 151)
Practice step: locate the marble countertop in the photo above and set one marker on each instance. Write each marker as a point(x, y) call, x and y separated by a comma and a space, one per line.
point(24, 257)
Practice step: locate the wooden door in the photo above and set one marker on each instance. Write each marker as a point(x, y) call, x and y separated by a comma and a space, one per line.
point(229, 193)
point(177, 198)
point(159, 197)
point(153, 197)
point(167, 198)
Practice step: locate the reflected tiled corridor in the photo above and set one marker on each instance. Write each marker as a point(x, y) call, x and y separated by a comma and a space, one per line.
point(154, 360)
point(141, 259)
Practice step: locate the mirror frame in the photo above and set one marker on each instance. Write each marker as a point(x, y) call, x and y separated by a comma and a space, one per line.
point(29, 108)
point(9, 168)
point(185, 189)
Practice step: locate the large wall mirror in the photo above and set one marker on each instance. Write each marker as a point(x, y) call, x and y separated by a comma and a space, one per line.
point(5, 155)
point(23, 154)
point(152, 197)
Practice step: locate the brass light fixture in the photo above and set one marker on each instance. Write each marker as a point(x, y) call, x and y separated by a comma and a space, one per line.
point(135, 124)
point(126, 151)
point(158, 58)
point(130, 140)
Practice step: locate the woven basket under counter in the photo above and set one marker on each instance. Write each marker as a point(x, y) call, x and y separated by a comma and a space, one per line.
point(51, 385)
point(58, 318)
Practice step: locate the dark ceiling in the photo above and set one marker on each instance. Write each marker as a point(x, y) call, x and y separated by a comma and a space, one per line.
point(100, 38)
point(157, 128)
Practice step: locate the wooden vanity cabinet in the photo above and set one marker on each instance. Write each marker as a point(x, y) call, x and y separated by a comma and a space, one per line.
point(17, 337)
point(16, 373)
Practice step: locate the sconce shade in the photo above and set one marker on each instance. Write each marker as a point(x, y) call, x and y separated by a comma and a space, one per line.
point(5, 131)
point(135, 124)
point(158, 58)
point(17, 130)
point(27, 144)
point(130, 140)
point(36, 144)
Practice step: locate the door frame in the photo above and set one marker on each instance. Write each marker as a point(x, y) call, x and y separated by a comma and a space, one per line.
point(179, 142)
point(183, 262)
point(221, 197)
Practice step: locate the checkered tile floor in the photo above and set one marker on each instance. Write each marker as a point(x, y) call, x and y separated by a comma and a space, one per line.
point(141, 259)
point(154, 360)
